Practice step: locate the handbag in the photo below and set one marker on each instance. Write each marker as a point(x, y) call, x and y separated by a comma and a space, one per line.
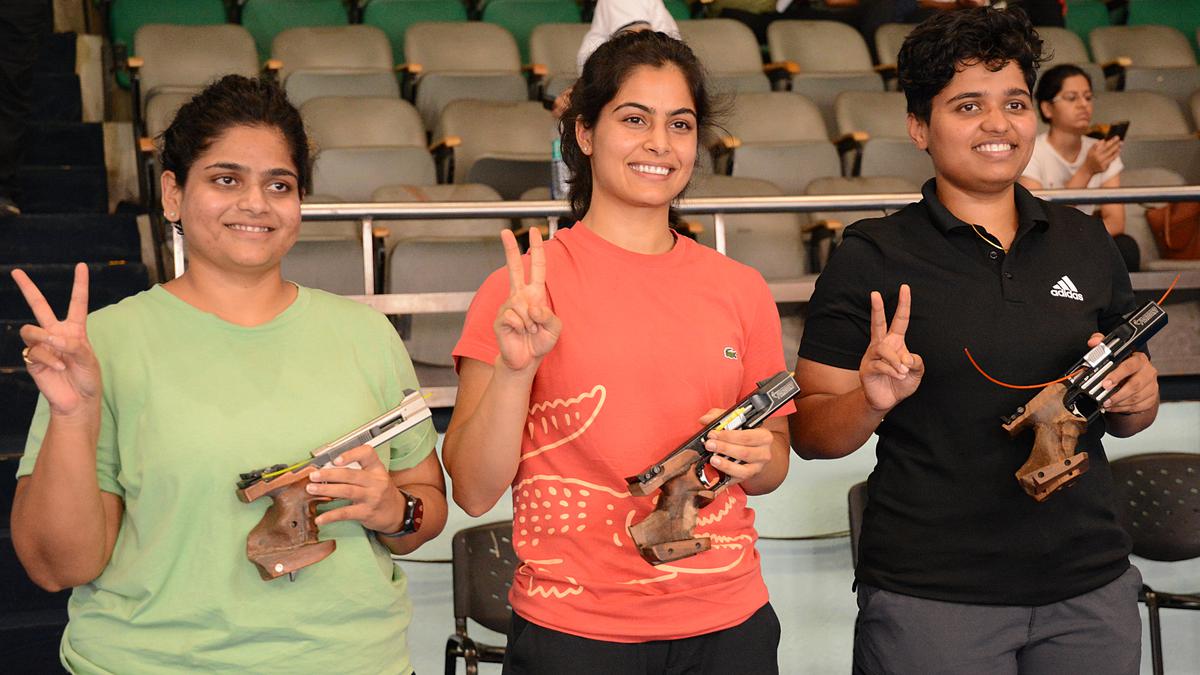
point(1176, 229)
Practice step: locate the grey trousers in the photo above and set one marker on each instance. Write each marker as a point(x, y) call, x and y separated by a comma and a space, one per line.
point(1097, 633)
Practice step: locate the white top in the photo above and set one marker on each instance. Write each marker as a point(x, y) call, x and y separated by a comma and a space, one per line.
point(613, 15)
point(1049, 168)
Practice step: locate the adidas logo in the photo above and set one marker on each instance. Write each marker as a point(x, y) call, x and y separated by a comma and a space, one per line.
point(1065, 288)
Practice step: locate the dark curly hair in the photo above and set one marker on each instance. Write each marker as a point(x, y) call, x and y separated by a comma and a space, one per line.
point(937, 48)
point(603, 74)
point(1052, 82)
point(231, 101)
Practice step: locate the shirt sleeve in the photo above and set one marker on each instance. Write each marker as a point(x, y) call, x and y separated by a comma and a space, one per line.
point(478, 339)
point(1114, 169)
point(413, 446)
point(764, 341)
point(838, 328)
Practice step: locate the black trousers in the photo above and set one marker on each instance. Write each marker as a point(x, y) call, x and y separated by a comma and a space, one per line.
point(749, 647)
point(23, 25)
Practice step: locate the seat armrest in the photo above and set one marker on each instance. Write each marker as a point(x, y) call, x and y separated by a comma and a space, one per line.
point(722, 154)
point(780, 73)
point(443, 157)
point(409, 73)
point(853, 140)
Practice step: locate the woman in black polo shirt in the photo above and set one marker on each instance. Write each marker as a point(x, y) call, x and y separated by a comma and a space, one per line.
point(959, 570)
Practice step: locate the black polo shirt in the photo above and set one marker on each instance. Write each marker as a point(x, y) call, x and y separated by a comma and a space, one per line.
point(946, 518)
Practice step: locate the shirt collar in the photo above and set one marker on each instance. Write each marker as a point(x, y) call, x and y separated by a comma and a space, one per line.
point(1029, 208)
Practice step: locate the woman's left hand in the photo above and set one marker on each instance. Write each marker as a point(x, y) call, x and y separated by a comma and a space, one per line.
point(1135, 381)
point(751, 447)
point(374, 500)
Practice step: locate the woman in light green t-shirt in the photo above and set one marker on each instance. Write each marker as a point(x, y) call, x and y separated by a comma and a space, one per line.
point(151, 407)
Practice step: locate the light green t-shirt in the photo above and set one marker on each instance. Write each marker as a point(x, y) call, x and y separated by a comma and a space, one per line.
point(190, 401)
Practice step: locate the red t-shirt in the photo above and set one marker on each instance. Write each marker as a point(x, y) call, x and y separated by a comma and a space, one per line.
point(649, 344)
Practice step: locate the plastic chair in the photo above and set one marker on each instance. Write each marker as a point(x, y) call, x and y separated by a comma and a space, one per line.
point(501, 144)
point(267, 18)
point(825, 227)
point(772, 243)
point(334, 61)
point(888, 39)
point(1148, 58)
point(483, 568)
point(873, 132)
point(778, 137)
point(445, 62)
point(857, 502)
point(552, 51)
point(126, 16)
point(345, 121)
point(394, 17)
point(521, 17)
point(1178, 14)
point(353, 174)
point(1159, 134)
point(1063, 46)
point(1159, 495)
point(729, 52)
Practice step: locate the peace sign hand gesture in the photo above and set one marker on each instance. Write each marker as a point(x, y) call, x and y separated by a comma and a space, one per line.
point(889, 372)
point(526, 329)
point(58, 354)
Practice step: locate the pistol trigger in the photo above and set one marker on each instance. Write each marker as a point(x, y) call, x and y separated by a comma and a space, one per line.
point(291, 576)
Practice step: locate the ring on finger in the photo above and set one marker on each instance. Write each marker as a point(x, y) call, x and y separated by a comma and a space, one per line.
point(25, 356)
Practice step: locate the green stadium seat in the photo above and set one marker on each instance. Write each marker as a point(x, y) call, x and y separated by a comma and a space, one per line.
point(1183, 15)
point(680, 9)
point(267, 18)
point(520, 17)
point(126, 16)
point(394, 17)
point(1084, 15)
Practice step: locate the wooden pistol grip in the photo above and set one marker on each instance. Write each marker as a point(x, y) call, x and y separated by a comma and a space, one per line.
point(666, 534)
point(285, 540)
point(678, 463)
point(1053, 462)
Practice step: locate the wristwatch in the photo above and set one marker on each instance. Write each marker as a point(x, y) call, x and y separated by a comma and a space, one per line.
point(414, 513)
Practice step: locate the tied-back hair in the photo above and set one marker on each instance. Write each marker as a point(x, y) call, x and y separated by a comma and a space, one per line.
point(943, 44)
point(1052, 82)
point(603, 74)
point(232, 101)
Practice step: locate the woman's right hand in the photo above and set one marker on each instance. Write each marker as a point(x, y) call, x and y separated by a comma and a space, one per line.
point(58, 354)
point(889, 373)
point(1102, 154)
point(526, 328)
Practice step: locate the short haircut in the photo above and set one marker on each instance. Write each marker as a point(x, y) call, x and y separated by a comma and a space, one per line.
point(940, 46)
point(1052, 82)
point(232, 101)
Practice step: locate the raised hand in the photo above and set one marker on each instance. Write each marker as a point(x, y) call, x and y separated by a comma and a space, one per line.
point(58, 354)
point(526, 329)
point(889, 372)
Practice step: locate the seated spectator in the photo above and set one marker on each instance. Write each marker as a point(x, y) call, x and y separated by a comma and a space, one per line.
point(1064, 157)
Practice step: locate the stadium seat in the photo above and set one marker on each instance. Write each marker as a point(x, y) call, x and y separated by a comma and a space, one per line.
point(520, 17)
point(679, 10)
point(1149, 58)
point(553, 48)
point(825, 58)
point(345, 121)
point(888, 40)
point(1063, 46)
point(729, 52)
point(778, 137)
point(1135, 218)
point(334, 61)
point(1085, 15)
point(439, 265)
point(394, 17)
point(267, 18)
point(1194, 105)
point(449, 61)
point(772, 243)
point(332, 265)
point(502, 144)
point(353, 174)
point(1182, 15)
point(874, 126)
point(449, 228)
point(126, 16)
point(1159, 134)
point(857, 185)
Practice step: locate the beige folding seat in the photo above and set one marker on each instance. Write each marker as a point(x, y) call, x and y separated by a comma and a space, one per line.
point(466, 60)
point(1064, 46)
point(888, 39)
point(330, 255)
point(1194, 105)
point(772, 243)
point(824, 59)
point(779, 137)
point(447, 228)
point(1159, 134)
point(1148, 58)
point(1136, 225)
point(873, 128)
point(334, 61)
point(353, 174)
point(729, 52)
point(502, 144)
point(347, 121)
point(856, 185)
point(552, 51)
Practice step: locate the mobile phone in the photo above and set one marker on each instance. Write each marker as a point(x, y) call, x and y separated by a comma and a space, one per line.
point(1117, 130)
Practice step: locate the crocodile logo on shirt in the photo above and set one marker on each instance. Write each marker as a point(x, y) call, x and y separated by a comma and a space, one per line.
point(731, 353)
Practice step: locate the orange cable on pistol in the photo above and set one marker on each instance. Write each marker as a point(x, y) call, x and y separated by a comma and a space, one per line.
point(1015, 386)
point(1169, 288)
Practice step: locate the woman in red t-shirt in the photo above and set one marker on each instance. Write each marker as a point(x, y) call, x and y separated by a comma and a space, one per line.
point(591, 359)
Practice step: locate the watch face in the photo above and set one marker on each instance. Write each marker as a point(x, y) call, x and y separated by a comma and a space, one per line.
point(418, 514)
